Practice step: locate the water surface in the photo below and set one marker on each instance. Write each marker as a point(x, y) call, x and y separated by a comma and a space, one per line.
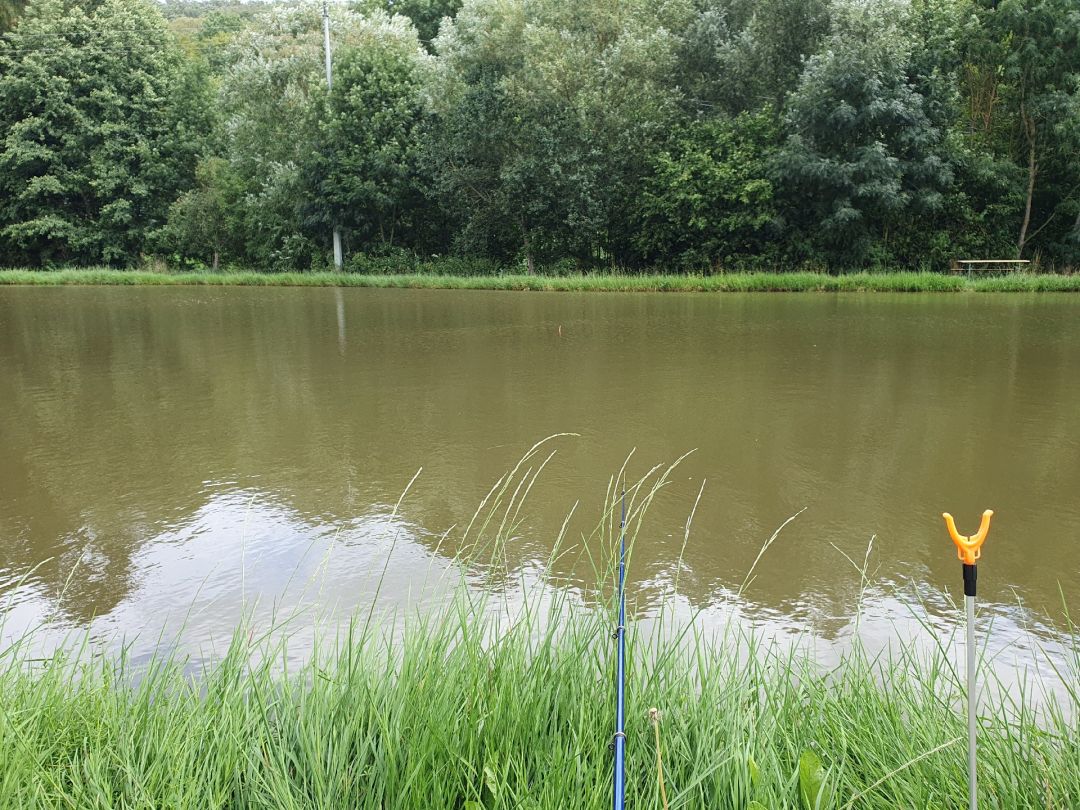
point(173, 455)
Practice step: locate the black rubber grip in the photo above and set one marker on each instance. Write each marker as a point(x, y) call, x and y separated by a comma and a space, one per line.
point(971, 574)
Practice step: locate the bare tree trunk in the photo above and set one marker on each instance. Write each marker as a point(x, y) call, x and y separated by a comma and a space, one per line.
point(1029, 130)
point(215, 262)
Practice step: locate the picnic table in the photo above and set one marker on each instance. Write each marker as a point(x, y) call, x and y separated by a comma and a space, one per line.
point(988, 265)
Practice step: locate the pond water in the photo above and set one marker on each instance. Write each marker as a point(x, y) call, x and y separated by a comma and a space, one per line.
point(178, 456)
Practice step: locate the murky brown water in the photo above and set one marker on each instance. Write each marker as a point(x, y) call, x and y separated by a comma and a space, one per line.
point(175, 454)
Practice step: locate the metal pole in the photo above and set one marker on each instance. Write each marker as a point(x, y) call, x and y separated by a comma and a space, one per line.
point(330, 86)
point(326, 44)
point(971, 696)
point(619, 786)
point(969, 549)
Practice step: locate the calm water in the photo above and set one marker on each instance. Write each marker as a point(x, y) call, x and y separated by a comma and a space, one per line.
point(174, 455)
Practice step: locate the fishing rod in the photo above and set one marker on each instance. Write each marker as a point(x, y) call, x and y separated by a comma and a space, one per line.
point(969, 551)
point(618, 743)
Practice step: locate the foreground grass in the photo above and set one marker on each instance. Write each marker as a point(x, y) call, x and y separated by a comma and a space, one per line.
point(466, 711)
point(734, 282)
point(489, 704)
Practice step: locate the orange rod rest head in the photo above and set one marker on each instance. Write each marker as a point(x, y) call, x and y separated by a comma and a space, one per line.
point(968, 549)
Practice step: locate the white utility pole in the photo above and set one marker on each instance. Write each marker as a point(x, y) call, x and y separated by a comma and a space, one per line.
point(330, 86)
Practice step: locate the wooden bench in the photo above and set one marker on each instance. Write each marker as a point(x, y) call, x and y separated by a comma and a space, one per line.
point(988, 265)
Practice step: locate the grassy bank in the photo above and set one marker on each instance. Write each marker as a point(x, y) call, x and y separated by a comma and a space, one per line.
point(467, 712)
point(503, 704)
point(734, 282)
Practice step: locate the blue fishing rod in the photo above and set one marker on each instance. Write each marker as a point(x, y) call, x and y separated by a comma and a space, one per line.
point(618, 743)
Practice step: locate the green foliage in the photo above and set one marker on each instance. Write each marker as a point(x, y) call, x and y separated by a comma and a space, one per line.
point(547, 113)
point(102, 123)
point(863, 158)
point(203, 221)
point(269, 92)
point(299, 161)
point(689, 135)
point(195, 9)
point(740, 56)
point(218, 31)
point(426, 15)
point(814, 791)
point(365, 170)
point(709, 198)
point(9, 13)
point(218, 23)
point(1040, 41)
point(754, 771)
point(206, 29)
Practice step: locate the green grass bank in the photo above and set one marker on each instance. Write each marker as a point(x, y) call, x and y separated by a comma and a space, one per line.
point(733, 282)
point(494, 702)
point(470, 712)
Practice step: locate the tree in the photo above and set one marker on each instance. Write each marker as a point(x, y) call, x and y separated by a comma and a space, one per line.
point(204, 222)
point(738, 56)
point(426, 15)
point(863, 158)
point(1019, 79)
point(271, 81)
point(365, 166)
point(984, 196)
point(547, 112)
point(299, 159)
point(218, 31)
point(102, 124)
point(709, 197)
point(1042, 64)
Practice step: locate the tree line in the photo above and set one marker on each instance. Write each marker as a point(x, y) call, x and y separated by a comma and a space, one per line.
point(685, 135)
